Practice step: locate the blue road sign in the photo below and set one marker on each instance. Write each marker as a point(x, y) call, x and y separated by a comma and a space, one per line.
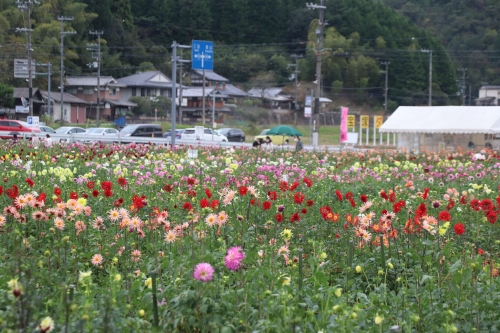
point(30, 120)
point(202, 55)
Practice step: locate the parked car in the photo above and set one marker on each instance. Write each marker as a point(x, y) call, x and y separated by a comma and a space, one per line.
point(70, 130)
point(178, 133)
point(142, 130)
point(276, 139)
point(102, 131)
point(208, 135)
point(47, 129)
point(233, 134)
point(15, 127)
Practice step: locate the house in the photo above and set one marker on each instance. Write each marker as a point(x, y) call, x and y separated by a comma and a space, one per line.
point(488, 96)
point(191, 109)
point(146, 84)
point(21, 102)
point(77, 107)
point(445, 127)
point(112, 106)
point(214, 80)
point(272, 97)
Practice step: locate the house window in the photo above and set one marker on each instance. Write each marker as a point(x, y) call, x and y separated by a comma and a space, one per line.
point(71, 90)
point(143, 92)
point(112, 92)
point(134, 91)
point(148, 92)
point(88, 91)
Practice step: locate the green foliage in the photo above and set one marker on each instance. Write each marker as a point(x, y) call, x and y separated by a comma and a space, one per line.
point(143, 105)
point(6, 99)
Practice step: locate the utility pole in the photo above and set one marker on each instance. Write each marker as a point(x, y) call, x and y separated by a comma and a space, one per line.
point(386, 63)
point(49, 73)
point(27, 5)
point(180, 92)
point(295, 73)
point(203, 100)
point(319, 50)
point(430, 74)
point(98, 110)
point(63, 19)
point(462, 84)
point(174, 86)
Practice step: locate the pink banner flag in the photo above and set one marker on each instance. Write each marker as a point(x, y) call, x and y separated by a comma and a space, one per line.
point(343, 124)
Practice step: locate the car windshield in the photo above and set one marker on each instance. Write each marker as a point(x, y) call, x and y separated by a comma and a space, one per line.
point(128, 129)
point(264, 132)
point(224, 131)
point(63, 129)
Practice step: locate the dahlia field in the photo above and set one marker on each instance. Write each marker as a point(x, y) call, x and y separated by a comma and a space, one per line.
point(140, 238)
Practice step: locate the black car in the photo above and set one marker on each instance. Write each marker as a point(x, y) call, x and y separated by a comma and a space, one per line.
point(142, 130)
point(233, 134)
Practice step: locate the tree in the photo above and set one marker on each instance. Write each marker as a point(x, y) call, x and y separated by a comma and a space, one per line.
point(143, 105)
point(6, 96)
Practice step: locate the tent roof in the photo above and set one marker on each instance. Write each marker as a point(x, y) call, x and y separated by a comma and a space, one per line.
point(444, 119)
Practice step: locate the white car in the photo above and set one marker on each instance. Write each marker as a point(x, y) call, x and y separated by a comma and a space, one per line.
point(70, 130)
point(208, 135)
point(102, 131)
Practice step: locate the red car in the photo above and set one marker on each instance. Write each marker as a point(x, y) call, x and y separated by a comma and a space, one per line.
point(15, 127)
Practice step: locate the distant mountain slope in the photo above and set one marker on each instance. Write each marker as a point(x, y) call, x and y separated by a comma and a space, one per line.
point(469, 29)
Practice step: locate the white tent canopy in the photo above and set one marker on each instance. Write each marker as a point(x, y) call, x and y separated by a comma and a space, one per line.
point(444, 119)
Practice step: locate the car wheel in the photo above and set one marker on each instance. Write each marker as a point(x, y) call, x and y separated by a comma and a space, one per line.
point(224, 140)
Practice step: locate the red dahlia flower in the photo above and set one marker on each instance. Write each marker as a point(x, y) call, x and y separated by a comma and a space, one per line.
point(339, 195)
point(90, 184)
point(492, 217)
point(243, 190)
point(295, 217)
point(267, 205)
point(30, 182)
point(278, 217)
point(486, 204)
point(204, 203)
point(459, 228)
point(475, 204)
point(363, 198)
point(57, 191)
point(299, 198)
point(444, 215)
point(283, 186)
point(187, 206)
point(294, 186)
point(307, 181)
point(309, 203)
point(208, 193)
point(73, 195)
point(122, 181)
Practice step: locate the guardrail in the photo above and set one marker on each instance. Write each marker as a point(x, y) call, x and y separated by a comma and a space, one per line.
point(86, 138)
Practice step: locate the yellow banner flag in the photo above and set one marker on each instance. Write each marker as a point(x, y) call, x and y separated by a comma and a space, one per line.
point(365, 121)
point(379, 120)
point(351, 121)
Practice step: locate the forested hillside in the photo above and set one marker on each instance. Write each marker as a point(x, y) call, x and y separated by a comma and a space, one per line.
point(469, 30)
point(254, 40)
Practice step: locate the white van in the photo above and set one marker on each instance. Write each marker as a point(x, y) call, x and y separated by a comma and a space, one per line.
point(202, 134)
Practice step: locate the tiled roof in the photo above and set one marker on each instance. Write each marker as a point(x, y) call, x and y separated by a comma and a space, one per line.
point(119, 102)
point(25, 92)
point(212, 76)
point(232, 90)
point(68, 98)
point(91, 81)
point(142, 80)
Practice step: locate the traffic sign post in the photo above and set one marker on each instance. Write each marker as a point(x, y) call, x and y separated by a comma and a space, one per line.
point(202, 55)
point(33, 121)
